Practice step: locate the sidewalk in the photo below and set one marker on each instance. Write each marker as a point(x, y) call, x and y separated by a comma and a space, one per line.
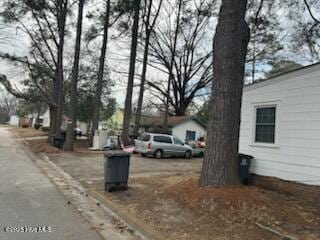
point(28, 198)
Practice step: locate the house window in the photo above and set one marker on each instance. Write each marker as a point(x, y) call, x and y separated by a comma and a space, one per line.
point(265, 124)
point(191, 135)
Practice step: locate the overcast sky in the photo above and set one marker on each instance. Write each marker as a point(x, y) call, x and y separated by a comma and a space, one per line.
point(117, 56)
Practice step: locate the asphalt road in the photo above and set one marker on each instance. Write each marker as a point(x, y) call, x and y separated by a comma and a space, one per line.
point(29, 201)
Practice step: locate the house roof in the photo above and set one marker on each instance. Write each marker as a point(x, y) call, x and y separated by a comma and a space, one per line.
point(284, 76)
point(172, 121)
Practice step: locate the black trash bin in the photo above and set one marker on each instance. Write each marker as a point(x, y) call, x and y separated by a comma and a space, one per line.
point(243, 167)
point(116, 170)
point(58, 141)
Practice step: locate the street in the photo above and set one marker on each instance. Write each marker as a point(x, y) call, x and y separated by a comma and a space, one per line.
point(30, 202)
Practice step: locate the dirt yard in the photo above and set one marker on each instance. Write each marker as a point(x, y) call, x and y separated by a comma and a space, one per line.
point(42, 146)
point(26, 132)
point(165, 200)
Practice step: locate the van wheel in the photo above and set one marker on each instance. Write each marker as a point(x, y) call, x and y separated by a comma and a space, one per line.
point(188, 154)
point(158, 154)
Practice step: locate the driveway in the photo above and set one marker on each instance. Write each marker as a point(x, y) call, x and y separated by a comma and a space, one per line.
point(88, 168)
point(28, 198)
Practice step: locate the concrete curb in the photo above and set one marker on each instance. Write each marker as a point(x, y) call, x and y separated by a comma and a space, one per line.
point(140, 233)
point(134, 223)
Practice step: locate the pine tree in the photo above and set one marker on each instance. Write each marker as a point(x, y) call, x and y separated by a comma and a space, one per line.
point(68, 145)
point(128, 101)
point(230, 47)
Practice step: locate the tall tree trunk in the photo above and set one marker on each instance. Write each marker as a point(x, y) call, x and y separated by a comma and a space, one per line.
point(68, 145)
point(253, 72)
point(181, 111)
point(88, 130)
point(170, 77)
point(128, 101)
point(52, 127)
point(99, 85)
point(230, 47)
point(144, 70)
point(38, 110)
point(149, 28)
point(58, 95)
point(142, 86)
point(60, 78)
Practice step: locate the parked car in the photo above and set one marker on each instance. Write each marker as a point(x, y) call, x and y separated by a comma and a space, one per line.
point(77, 132)
point(196, 150)
point(162, 145)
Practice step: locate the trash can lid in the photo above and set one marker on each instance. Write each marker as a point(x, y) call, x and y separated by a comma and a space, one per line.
point(117, 153)
point(59, 137)
point(241, 155)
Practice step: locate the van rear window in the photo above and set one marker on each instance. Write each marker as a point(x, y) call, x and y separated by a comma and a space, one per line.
point(162, 139)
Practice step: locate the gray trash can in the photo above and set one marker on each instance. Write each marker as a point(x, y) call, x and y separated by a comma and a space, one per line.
point(58, 141)
point(116, 170)
point(243, 167)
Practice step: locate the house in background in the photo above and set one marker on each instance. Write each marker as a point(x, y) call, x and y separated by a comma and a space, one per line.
point(27, 121)
point(114, 124)
point(14, 120)
point(280, 125)
point(46, 122)
point(187, 128)
point(46, 119)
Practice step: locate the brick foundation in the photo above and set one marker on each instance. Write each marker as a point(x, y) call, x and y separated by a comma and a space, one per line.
point(287, 187)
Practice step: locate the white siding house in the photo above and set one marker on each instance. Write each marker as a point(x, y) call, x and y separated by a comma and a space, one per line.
point(184, 127)
point(280, 125)
point(189, 129)
point(46, 118)
point(14, 120)
point(46, 122)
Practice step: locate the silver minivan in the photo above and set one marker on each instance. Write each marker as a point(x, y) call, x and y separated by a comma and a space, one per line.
point(162, 145)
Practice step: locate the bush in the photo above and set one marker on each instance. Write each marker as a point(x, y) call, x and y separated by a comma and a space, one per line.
point(37, 126)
